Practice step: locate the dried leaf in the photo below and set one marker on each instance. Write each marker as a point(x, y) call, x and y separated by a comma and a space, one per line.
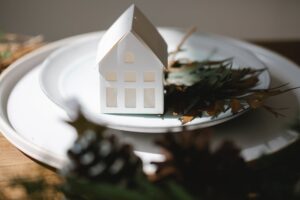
point(186, 118)
point(216, 108)
point(235, 105)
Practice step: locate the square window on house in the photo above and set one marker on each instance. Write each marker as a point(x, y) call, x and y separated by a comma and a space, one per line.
point(149, 76)
point(130, 76)
point(149, 98)
point(129, 57)
point(130, 98)
point(111, 76)
point(111, 97)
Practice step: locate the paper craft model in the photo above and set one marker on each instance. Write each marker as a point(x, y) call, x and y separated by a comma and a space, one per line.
point(131, 57)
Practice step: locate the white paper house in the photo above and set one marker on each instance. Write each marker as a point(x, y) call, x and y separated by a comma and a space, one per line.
point(131, 57)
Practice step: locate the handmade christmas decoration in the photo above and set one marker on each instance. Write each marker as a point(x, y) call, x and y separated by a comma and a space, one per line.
point(132, 56)
point(135, 76)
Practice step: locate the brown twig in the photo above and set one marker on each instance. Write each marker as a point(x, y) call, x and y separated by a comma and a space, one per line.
point(178, 48)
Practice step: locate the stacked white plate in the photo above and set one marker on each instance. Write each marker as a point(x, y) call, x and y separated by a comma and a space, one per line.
point(36, 89)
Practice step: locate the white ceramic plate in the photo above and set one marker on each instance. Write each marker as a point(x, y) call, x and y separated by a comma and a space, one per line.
point(72, 73)
point(34, 124)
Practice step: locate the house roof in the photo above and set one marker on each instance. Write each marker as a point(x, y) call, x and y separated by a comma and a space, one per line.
point(133, 20)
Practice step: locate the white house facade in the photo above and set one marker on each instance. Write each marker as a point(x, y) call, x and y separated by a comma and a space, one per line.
point(131, 70)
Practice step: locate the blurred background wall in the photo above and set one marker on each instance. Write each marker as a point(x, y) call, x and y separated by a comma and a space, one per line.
point(246, 19)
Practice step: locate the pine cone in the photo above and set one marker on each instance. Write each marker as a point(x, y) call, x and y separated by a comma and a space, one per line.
point(222, 174)
point(100, 157)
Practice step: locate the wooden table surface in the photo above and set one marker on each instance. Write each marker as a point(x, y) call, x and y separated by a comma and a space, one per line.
point(14, 163)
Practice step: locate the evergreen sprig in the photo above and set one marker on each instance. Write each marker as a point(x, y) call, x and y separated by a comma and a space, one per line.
point(211, 87)
point(191, 170)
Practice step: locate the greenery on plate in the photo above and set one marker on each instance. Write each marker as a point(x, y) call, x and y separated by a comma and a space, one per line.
point(210, 87)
